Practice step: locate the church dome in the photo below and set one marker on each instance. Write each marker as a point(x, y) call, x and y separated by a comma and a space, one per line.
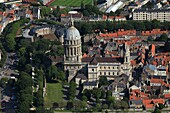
point(72, 34)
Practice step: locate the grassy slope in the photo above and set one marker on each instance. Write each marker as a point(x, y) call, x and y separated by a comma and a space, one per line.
point(69, 2)
point(54, 94)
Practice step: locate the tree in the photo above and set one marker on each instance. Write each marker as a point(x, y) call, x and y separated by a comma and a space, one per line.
point(3, 82)
point(110, 100)
point(96, 93)
point(87, 93)
point(72, 91)
point(117, 106)
point(105, 106)
point(83, 104)
point(164, 37)
point(82, 6)
point(98, 106)
point(77, 105)
point(69, 105)
point(22, 62)
point(41, 45)
point(62, 104)
point(10, 42)
point(24, 80)
point(55, 73)
point(60, 75)
point(11, 82)
point(41, 109)
point(108, 93)
point(124, 105)
point(103, 81)
point(155, 24)
point(23, 108)
point(45, 11)
point(57, 12)
point(28, 68)
point(39, 98)
point(26, 97)
point(55, 105)
point(52, 72)
point(161, 106)
point(150, 39)
point(22, 51)
point(157, 110)
point(84, 98)
point(103, 94)
point(2, 7)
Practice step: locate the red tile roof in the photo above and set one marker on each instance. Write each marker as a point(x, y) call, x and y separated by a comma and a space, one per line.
point(28, 12)
point(1, 12)
point(149, 103)
point(166, 96)
point(84, 55)
point(153, 49)
point(17, 5)
point(133, 62)
point(153, 32)
point(154, 80)
point(12, 11)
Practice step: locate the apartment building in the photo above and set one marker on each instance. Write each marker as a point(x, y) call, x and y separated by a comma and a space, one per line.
point(151, 14)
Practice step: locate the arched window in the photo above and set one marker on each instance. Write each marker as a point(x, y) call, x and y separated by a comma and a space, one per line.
point(71, 51)
point(75, 51)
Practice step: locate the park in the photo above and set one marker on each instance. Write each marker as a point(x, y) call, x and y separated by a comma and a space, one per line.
point(74, 3)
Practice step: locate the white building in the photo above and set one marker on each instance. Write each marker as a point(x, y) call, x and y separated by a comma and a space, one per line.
point(1, 1)
point(115, 7)
point(152, 14)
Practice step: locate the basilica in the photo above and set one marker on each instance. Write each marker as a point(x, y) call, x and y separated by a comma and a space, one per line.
point(87, 70)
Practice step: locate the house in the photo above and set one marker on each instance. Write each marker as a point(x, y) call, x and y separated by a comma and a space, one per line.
point(137, 104)
point(120, 18)
point(153, 32)
point(119, 86)
point(156, 82)
point(151, 103)
point(29, 14)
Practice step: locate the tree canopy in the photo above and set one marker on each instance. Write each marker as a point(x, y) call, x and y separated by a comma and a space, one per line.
point(72, 91)
point(103, 81)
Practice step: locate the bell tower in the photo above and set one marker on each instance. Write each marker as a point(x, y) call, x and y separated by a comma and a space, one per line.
point(73, 53)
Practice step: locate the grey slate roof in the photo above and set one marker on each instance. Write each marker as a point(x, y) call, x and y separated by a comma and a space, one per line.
point(152, 10)
point(136, 102)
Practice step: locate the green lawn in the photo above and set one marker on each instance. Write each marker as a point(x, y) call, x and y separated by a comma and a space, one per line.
point(70, 2)
point(54, 94)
